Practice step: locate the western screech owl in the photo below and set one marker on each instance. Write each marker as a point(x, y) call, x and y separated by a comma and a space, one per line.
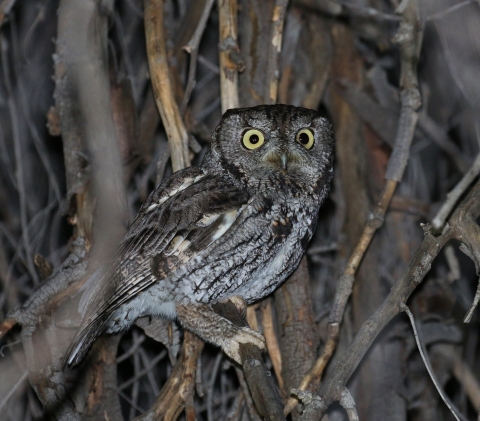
point(235, 226)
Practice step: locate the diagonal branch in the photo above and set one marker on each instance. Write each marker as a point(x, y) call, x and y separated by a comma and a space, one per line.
point(458, 228)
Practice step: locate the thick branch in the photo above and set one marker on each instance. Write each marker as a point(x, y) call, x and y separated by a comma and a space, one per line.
point(260, 382)
point(298, 335)
point(43, 344)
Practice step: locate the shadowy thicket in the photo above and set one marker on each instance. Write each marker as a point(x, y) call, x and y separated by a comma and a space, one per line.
point(84, 139)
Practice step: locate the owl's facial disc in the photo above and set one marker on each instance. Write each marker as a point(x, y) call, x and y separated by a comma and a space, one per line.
point(283, 144)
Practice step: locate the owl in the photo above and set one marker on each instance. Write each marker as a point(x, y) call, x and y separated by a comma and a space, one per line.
point(232, 228)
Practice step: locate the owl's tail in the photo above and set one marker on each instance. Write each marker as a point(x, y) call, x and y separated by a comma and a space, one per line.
point(94, 321)
point(83, 340)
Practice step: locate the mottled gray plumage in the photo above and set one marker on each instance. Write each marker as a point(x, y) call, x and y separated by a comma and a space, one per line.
point(234, 226)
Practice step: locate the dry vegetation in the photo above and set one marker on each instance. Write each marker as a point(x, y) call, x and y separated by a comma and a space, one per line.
point(101, 100)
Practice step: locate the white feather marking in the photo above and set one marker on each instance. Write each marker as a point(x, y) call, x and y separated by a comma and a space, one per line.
point(229, 219)
point(174, 244)
point(278, 262)
point(183, 246)
point(198, 178)
point(208, 220)
point(186, 183)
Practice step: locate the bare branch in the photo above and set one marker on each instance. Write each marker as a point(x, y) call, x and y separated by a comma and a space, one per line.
point(162, 85)
point(264, 391)
point(454, 195)
point(428, 366)
point(229, 54)
point(192, 49)
point(419, 266)
point(274, 48)
point(180, 385)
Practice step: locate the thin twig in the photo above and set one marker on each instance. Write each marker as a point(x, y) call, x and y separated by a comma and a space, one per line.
point(13, 389)
point(448, 10)
point(272, 340)
point(192, 49)
point(19, 163)
point(467, 379)
point(428, 366)
point(368, 12)
point(180, 385)
point(455, 193)
point(476, 300)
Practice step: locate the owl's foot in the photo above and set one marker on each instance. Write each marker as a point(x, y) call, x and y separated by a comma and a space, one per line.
point(239, 303)
point(245, 335)
point(211, 327)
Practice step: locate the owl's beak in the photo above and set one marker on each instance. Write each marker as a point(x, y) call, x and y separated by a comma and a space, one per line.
point(279, 160)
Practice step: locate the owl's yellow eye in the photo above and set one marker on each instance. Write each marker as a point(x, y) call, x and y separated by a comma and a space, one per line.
point(305, 138)
point(253, 139)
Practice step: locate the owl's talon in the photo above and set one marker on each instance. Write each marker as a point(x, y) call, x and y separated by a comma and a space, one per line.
point(245, 335)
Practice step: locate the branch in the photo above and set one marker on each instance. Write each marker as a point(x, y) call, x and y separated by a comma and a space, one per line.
point(428, 366)
point(162, 85)
point(298, 335)
point(180, 386)
point(458, 227)
point(454, 195)
point(43, 343)
point(268, 327)
point(192, 49)
point(260, 382)
point(228, 53)
point(274, 48)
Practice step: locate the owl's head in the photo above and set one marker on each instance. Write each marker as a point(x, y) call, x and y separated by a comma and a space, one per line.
point(276, 144)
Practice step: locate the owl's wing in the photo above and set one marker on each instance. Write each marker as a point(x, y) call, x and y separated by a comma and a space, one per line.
point(181, 218)
point(174, 227)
